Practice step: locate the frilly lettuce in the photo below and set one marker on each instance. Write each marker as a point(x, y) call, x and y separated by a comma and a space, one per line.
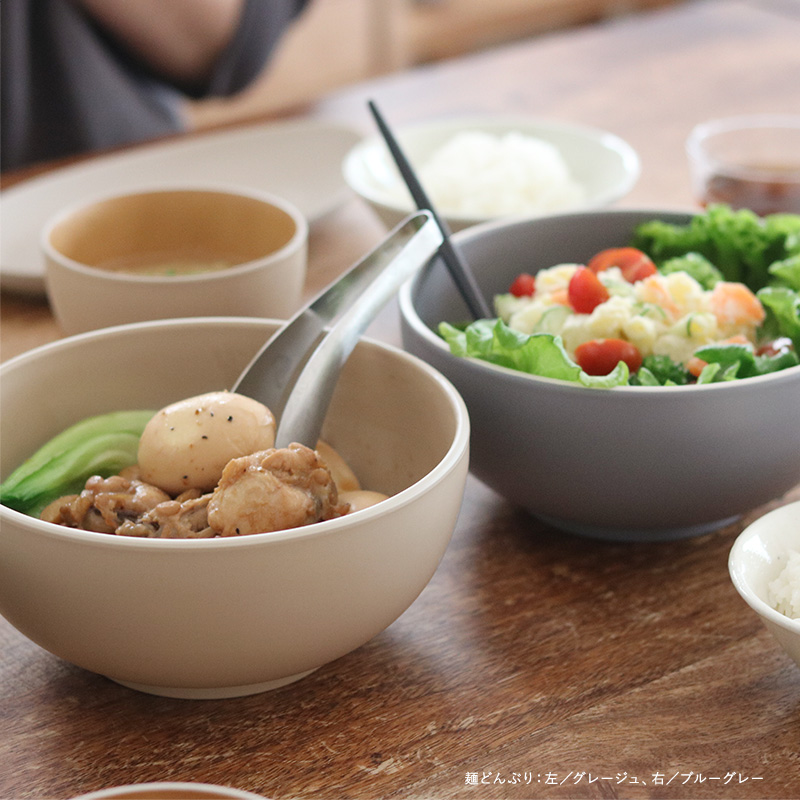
point(699, 267)
point(541, 354)
point(739, 243)
point(783, 308)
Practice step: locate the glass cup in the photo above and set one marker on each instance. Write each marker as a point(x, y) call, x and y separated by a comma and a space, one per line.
point(747, 162)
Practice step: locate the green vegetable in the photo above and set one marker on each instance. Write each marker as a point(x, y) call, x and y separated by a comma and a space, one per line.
point(539, 354)
point(739, 243)
point(644, 377)
point(783, 309)
point(101, 445)
point(740, 361)
point(787, 272)
point(699, 267)
point(660, 371)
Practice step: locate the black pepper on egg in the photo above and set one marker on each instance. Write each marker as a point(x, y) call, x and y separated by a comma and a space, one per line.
point(175, 462)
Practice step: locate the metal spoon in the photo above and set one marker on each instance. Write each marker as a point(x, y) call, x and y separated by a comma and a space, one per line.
point(295, 373)
point(458, 268)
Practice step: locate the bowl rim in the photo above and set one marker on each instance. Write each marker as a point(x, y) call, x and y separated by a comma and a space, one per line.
point(413, 320)
point(297, 241)
point(703, 131)
point(130, 791)
point(455, 451)
point(740, 576)
point(529, 125)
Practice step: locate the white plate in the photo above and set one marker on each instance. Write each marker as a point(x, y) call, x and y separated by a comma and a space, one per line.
point(298, 160)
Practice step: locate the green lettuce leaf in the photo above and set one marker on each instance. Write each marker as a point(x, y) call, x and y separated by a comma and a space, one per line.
point(660, 371)
point(699, 267)
point(740, 361)
point(539, 354)
point(783, 308)
point(739, 243)
point(787, 272)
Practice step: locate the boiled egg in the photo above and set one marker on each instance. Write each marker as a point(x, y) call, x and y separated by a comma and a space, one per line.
point(187, 444)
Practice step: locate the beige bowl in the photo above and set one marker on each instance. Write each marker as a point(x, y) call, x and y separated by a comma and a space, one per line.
point(170, 790)
point(233, 616)
point(184, 251)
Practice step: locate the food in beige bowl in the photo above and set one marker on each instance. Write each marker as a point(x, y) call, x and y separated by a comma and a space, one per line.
point(174, 252)
point(227, 616)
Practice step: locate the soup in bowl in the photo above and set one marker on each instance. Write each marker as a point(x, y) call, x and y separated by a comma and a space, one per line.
point(174, 252)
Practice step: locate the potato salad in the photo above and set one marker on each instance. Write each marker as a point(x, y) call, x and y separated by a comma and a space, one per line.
point(688, 314)
point(670, 315)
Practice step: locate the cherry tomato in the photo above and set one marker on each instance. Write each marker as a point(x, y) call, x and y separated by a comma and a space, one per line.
point(633, 263)
point(585, 291)
point(600, 356)
point(524, 285)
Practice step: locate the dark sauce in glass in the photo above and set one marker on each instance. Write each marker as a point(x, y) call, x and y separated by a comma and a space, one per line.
point(757, 192)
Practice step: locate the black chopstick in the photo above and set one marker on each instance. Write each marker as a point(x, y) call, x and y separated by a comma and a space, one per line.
point(458, 268)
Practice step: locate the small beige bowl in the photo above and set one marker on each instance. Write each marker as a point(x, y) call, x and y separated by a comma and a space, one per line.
point(177, 252)
point(757, 558)
point(222, 617)
point(170, 790)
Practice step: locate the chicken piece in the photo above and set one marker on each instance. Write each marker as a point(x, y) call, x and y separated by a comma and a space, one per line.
point(185, 517)
point(104, 504)
point(273, 490)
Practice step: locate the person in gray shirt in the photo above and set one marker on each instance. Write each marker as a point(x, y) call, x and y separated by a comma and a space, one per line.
point(85, 75)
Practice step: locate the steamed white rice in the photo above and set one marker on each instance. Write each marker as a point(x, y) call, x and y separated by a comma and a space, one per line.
point(784, 591)
point(478, 174)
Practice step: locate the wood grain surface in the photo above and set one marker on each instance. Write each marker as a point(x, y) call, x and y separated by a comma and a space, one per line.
point(535, 664)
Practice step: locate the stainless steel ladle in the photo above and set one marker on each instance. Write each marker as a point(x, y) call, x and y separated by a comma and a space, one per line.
point(295, 373)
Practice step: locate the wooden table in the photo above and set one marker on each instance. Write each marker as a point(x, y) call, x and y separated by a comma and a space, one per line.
point(535, 664)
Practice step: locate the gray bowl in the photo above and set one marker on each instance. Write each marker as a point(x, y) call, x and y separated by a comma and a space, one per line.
point(630, 463)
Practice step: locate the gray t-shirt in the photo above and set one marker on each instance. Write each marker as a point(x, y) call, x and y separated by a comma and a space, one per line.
point(67, 88)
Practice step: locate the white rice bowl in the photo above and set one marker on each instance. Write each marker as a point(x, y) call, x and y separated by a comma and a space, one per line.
point(784, 591)
point(479, 174)
point(764, 565)
point(484, 167)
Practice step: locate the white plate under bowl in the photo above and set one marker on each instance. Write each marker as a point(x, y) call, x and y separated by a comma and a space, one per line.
point(297, 160)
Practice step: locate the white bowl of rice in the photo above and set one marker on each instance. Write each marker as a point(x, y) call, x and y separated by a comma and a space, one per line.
point(764, 565)
point(481, 168)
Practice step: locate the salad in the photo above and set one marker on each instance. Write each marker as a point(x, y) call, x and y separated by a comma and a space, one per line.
point(716, 299)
